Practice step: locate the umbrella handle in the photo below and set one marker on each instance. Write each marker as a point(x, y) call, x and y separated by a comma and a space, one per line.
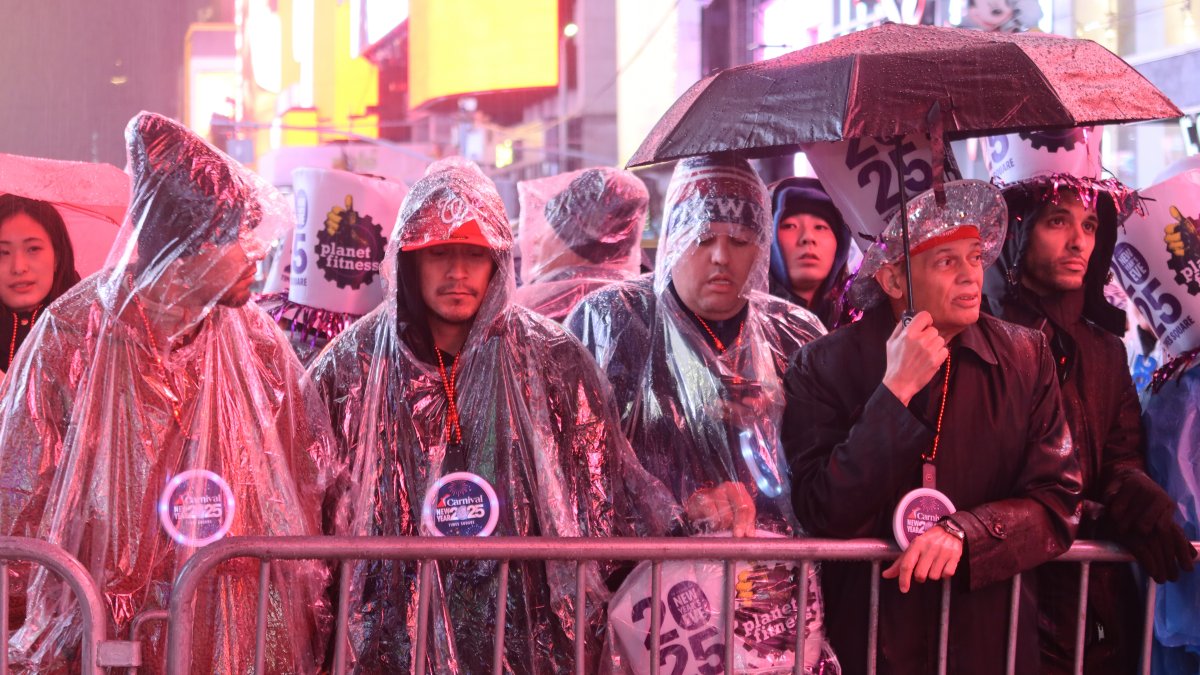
point(911, 310)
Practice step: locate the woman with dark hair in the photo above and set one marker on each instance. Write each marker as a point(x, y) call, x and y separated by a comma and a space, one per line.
point(37, 264)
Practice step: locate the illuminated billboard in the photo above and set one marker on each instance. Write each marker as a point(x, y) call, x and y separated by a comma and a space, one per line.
point(473, 46)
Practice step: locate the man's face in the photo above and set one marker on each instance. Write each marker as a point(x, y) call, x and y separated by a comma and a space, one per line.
point(711, 275)
point(947, 283)
point(454, 278)
point(809, 247)
point(223, 271)
point(1060, 245)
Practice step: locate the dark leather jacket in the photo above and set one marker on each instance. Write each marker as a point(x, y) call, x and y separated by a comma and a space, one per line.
point(1005, 460)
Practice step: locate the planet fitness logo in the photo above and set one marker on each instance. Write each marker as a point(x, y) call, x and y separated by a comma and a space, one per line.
point(350, 246)
point(1183, 243)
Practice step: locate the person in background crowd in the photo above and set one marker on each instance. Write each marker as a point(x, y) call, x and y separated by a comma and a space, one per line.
point(450, 391)
point(1050, 277)
point(37, 264)
point(579, 231)
point(156, 366)
point(811, 249)
point(695, 354)
point(954, 401)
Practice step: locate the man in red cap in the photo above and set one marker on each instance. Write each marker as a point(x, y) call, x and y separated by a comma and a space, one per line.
point(954, 419)
point(460, 413)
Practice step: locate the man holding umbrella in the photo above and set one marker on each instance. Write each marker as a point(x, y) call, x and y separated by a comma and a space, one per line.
point(1050, 276)
point(953, 419)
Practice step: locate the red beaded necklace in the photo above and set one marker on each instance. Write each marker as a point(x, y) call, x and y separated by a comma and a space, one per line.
point(453, 427)
point(18, 321)
point(720, 346)
point(932, 454)
point(162, 369)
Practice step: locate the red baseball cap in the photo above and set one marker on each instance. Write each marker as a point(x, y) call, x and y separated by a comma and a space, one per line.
point(467, 234)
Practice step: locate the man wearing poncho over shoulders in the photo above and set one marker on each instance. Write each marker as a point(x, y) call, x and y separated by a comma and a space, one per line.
point(156, 365)
point(696, 354)
point(872, 407)
point(449, 379)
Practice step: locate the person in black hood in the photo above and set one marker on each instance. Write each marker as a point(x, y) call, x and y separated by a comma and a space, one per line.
point(810, 250)
point(1050, 276)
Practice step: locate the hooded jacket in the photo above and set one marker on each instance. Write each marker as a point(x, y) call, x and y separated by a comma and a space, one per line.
point(538, 424)
point(1102, 411)
point(697, 414)
point(671, 383)
point(829, 302)
point(139, 373)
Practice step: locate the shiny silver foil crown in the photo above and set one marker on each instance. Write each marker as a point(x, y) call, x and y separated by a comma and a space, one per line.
point(968, 203)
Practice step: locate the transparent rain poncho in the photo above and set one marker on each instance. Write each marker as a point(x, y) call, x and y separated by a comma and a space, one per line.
point(153, 366)
point(538, 424)
point(698, 417)
point(579, 231)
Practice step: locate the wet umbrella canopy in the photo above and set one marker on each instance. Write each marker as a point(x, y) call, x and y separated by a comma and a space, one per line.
point(881, 83)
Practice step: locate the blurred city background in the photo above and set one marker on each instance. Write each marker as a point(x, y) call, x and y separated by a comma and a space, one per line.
point(525, 87)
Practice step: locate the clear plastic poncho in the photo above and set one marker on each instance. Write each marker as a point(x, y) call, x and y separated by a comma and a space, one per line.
point(579, 231)
point(538, 424)
point(150, 367)
point(697, 416)
point(1171, 413)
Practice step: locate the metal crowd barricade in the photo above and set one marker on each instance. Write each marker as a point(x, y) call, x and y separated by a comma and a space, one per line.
point(92, 610)
point(346, 550)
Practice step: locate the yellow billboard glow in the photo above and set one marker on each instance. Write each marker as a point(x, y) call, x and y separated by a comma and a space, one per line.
point(474, 46)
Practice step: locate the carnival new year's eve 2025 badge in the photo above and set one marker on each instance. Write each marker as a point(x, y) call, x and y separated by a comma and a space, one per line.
point(460, 504)
point(918, 511)
point(196, 508)
point(692, 641)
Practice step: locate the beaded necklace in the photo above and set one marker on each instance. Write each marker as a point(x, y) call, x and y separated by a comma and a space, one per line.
point(720, 346)
point(17, 320)
point(453, 427)
point(162, 368)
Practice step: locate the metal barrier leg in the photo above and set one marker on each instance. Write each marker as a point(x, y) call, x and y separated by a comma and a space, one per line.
point(729, 609)
point(501, 617)
point(655, 615)
point(801, 616)
point(1085, 570)
point(580, 617)
point(3, 618)
point(1148, 628)
point(873, 621)
point(260, 628)
point(343, 619)
point(944, 628)
point(423, 593)
point(1014, 613)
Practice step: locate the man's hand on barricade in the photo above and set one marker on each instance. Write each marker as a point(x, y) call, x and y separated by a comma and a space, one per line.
point(914, 354)
point(932, 556)
point(726, 506)
point(1144, 516)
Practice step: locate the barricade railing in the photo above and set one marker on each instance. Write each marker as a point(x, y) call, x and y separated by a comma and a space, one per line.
point(92, 611)
point(423, 550)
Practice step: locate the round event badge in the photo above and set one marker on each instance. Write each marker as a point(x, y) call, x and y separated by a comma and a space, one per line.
point(196, 508)
point(918, 511)
point(460, 504)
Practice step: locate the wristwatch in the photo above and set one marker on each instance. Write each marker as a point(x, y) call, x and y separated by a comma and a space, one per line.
point(953, 528)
